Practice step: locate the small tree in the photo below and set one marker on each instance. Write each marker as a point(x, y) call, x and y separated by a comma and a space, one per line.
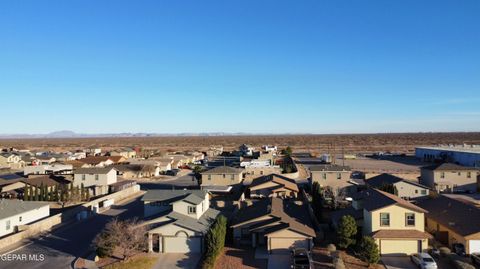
point(368, 250)
point(287, 151)
point(197, 170)
point(215, 241)
point(346, 232)
point(26, 193)
point(37, 194)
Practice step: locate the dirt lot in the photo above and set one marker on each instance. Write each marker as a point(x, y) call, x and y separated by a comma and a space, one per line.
point(354, 143)
point(236, 258)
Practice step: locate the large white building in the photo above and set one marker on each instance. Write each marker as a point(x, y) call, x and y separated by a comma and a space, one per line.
point(14, 213)
point(467, 155)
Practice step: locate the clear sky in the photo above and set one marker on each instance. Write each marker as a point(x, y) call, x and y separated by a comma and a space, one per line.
point(239, 66)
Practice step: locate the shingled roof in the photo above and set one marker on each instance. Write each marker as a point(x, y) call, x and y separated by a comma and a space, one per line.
point(223, 170)
point(376, 199)
point(378, 181)
point(329, 168)
point(448, 167)
point(278, 179)
point(189, 196)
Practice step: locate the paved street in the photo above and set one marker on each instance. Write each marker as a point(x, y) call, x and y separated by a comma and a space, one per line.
point(62, 246)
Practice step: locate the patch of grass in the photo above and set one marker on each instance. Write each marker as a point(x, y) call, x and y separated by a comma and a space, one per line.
point(137, 263)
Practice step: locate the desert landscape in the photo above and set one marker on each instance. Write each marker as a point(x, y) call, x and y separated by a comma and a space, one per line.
point(347, 143)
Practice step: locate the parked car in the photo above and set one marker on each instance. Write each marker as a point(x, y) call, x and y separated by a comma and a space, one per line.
point(459, 249)
point(301, 259)
point(434, 252)
point(475, 258)
point(424, 261)
point(172, 172)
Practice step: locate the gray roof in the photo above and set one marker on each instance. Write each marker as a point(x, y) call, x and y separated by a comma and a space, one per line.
point(93, 170)
point(378, 181)
point(448, 167)
point(329, 168)
point(199, 225)
point(223, 170)
point(190, 196)
point(10, 208)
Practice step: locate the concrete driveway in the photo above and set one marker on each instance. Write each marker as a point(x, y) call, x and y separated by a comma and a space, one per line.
point(398, 263)
point(177, 260)
point(279, 261)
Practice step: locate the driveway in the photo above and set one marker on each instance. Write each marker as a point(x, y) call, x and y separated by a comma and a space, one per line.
point(279, 261)
point(398, 263)
point(177, 260)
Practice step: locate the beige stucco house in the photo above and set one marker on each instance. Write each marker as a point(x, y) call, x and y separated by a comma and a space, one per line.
point(184, 219)
point(405, 189)
point(97, 179)
point(328, 175)
point(126, 153)
point(12, 161)
point(275, 224)
point(448, 177)
point(15, 213)
point(272, 185)
point(222, 176)
point(453, 221)
point(397, 225)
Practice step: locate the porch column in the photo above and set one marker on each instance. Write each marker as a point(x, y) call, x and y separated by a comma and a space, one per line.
point(150, 248)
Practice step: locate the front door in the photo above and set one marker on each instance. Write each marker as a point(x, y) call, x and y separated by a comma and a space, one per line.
point(419, 246)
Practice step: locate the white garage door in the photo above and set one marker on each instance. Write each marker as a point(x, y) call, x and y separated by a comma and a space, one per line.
point(283, 245)
point(399, 247)
point(183, 244)
point(474, 246)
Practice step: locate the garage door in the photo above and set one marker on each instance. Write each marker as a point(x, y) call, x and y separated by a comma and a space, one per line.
point(283, 245)
point(399, 247)
point(474, 246)
point(182, 244)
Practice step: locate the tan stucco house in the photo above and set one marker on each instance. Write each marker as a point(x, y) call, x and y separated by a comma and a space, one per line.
point(336, 177)
point(453, 221)
point(222, 176)
point(405, 189)
point(449, 177)
point(273, 185)
point(275, 224)
point(184, 217)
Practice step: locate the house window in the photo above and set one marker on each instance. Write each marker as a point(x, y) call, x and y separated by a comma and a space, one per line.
point(232, 177)
point(424, 192)
point(459, 173)
point(20, 219)
point(469, 174)
point(410, 219)
point(192, 210)
point(261, 172)
point(339, 176)
point(324, 176)
point(384, 219)
point(96, 177)
point(209, 177)
point(416, 191)
point(83, 177)
point(7, 225)
point(223, 175)
point(442, 175)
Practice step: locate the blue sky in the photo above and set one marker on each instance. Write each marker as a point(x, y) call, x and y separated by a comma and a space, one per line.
point(240, 66)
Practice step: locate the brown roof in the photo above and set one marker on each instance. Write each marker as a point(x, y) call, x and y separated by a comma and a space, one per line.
point(45, 181)
point(278, 179)
point(75, 163)
point(463, 218)
point(407, 234)
point(93, 160)
point(376, 199)
point(285, 216)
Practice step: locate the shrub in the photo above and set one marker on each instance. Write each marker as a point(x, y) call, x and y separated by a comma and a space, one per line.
point(338, 263)
point(331, 248)
point(368, 250)
point(214, 241)
point(346, 232)
point(444, 251)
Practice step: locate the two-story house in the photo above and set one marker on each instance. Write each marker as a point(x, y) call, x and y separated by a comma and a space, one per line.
point(449, 177)
point(96, 179)
point(222, 176)
point(184, 219)
point(11, 160)
point(336, 177)
point(405, 189)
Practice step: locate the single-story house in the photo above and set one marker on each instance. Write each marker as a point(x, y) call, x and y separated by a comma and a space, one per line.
point(14, 213)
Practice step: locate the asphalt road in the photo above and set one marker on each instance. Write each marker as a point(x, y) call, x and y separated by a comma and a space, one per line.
point(60, 248)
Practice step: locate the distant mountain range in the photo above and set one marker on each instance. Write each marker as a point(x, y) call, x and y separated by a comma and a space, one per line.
point(71, 134)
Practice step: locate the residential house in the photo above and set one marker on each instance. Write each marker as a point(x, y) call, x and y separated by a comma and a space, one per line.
point(449, 177)
point(453, 221)
point(126, 153)
point(144, 170)
point(185, 219)
point(101, 161)
point(15, 213)
point(11, 186)
point(272, 185)
point(97, 179)
point(397, 225)
point(45, 160)
point(406, 189)
point(334, 176)
point(93, 151)
point(222, 175)
point(246, 150)
point(274, 224)
point(48, 181)
point(269, 148)
point(57, 169)
point(11, 160)
point(214, 151)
